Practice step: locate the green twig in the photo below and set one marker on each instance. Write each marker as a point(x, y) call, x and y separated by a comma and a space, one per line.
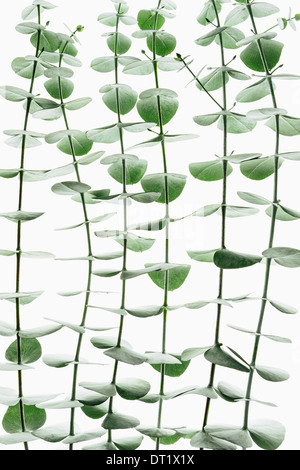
point(19, 235)
point(272, 229)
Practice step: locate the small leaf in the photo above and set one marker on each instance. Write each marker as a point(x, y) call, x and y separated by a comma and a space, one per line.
point(107, 389)
point(132, 389)
point(221, 357)
point(157, 182)
point(31, 351)
point(126, 355)
point(165, 43)
point(119, 421)
point(233, 434)
point(34, 419)
point(209, 171)
point(253, 198)
point(174, 370)
point(148, 108)
point(128, 443)
point(148, 19)
point(176, 276)
point(267, 434)
point(226, 259)
point(53, 433)
point(156, 432)
point(272, 51)
point(53, 88)
point(272, 374)
point(203, 440)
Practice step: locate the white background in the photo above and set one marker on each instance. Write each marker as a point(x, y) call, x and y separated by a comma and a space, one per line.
point(186, 328)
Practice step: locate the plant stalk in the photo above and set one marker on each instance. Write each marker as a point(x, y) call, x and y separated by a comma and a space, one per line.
point(125, 217)
point(167, 232)
point(272, 229)
point(19, 236)
point(224, 202)
point(90, 254)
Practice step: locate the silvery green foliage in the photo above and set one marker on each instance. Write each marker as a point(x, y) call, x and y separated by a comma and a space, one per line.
point(55, 57)
point(25, 415)
point(262, 54)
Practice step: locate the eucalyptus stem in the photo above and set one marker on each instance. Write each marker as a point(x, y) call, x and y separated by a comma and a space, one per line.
point(125, 212)
point(19, 235)
point(224, 202)
point(90, 255)
point(272, 228)
point(167, 231)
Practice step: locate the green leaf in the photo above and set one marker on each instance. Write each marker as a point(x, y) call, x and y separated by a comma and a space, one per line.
point(24, 67)
point(82, 437)
point(119, 421)
point(21, 216)
point(217, 355)
point(209, 171)
point(39, 332)
point(95, 412)
point(191, 353)
point(128, 443)
point(148, 108)
point(122, 41)
point(68, 188)
point(135, 170)
point(53, 433)
point(17, 438)
point(176, 276)
point(145, 312)
point(208, 13)
point(107, 389)
point(237, 123)
point(107, 342)
point(252, 58)
point(34, 419)
point(267, 434)
point(206, 256)
point(119, 97)
point(272, 374)
point(255, 92)
point(53, 88)
point(148, 19)
point(283, 213)
point(233, 434)
point(81, 145)
point(253, 198)
point(136, 243)
point(101, 446)
point(238, 15)
point(132, 389)
point(31, 351)
point(174, 370)
point(48, 41)
point(237, 211)
point(262, 9)
point(156, 432)
point(289, 126)
point(126, 355)
point(156, 182)
point(77, 104)
point(283, 308)
point(12, 93)
point(225, 259)
point(58, 360)
point(230, 37)
point(259, 169)
point(213, 81)
point(203, 440)
point(165, 43)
